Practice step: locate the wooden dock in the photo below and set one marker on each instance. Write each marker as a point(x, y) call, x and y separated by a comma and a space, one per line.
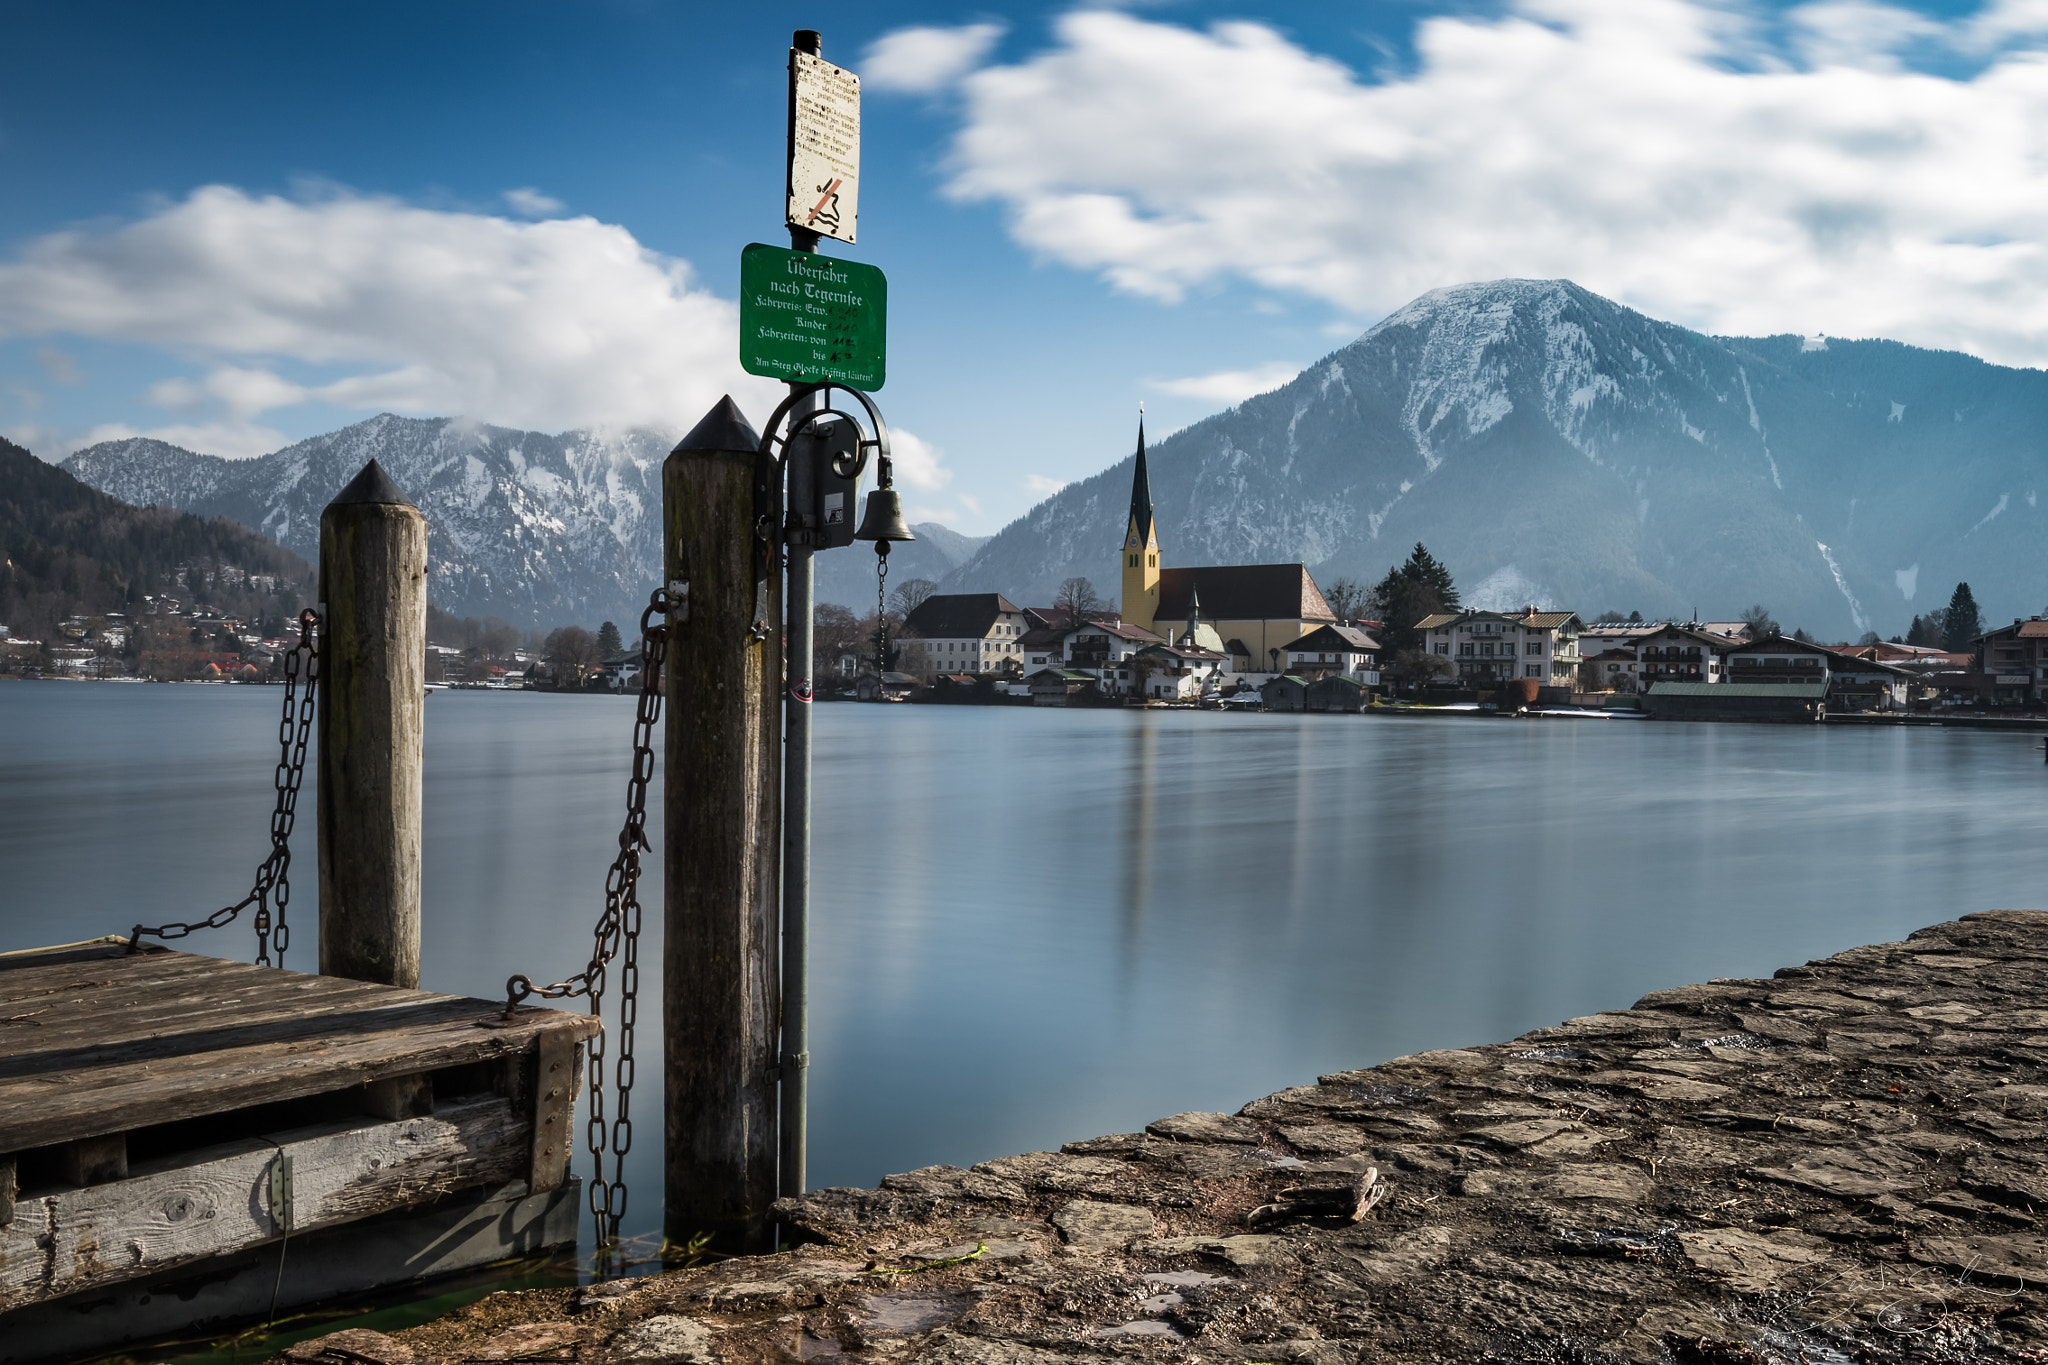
point(163, 1113)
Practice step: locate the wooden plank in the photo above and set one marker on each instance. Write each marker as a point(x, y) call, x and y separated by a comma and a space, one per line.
point(554, 1109)
point(218, 1200)
point(94, 1160)
point(64, 1025)
point(375, 1016)
point(7, 1190)
point(42, 1110)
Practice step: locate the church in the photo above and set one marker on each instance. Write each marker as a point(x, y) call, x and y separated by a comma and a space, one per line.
point(1250, 612)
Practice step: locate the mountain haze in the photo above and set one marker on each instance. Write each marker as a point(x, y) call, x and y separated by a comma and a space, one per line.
point(1555, 448)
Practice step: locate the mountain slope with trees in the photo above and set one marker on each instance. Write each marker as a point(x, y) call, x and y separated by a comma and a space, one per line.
point(70, 550)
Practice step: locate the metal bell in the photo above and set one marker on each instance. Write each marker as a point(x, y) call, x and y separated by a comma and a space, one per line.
point(883, 519)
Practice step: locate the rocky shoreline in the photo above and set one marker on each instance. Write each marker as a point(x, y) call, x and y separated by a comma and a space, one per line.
point(1841, 1163)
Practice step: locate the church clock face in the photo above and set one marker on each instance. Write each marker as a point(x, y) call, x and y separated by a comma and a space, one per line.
point(1132, 543)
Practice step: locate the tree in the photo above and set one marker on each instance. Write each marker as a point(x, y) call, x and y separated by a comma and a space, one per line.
point(1078, 599)
point(1347, 598)
point(1925, 631)
point(572, 652)
point(1421, 587)
point(835, 631)
point(1803, 638)
point(1870, 637)
point(911, 593)
point(1961, 622)
point(1760, 624)
point(1413, 666)
point(609, 645)
point(1610, 618)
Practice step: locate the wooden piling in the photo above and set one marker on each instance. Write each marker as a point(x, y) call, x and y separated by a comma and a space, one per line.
point(372, 714)
point(721, 838)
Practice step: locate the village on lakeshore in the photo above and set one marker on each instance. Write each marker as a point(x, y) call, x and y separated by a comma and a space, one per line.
point(1220, 637)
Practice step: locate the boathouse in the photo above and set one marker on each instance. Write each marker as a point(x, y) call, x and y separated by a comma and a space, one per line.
point(1736, 701)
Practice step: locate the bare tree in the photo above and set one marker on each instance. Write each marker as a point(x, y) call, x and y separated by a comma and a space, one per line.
point(1347, 597)
point(1077, 598)
point(573, 652)
point(911, 593)
point(1760, 624)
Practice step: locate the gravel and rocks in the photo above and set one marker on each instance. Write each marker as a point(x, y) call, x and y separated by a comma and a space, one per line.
point(1839, 1164)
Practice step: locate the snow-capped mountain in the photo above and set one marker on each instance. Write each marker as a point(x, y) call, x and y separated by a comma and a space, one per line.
point(1555, 448)
point(540, 529)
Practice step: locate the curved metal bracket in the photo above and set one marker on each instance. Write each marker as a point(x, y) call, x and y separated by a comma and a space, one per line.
point(775, 441)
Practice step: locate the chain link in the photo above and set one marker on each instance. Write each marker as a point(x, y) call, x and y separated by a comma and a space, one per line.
point(273, 888)
point(618, 929)
point(881, 615)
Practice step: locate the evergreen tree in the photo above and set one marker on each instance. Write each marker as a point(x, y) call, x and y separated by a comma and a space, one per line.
point(1925, 631)
point(1962, 622)
point(1421, 587)
point(609, 645)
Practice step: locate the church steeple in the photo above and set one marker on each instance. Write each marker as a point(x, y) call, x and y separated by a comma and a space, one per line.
point(1141, 488)
point(1188, 637)
point(1141, 546)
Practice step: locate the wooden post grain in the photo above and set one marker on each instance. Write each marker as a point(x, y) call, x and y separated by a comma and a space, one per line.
point(721, 839)
point(372, 719)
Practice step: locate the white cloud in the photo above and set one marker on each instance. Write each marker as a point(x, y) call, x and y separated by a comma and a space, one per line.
point(1659, 151)
point(531, 202)
point(1230, 386)
point(557, 324)
point(1043, 485)
point(924, 61)
point(916, 462)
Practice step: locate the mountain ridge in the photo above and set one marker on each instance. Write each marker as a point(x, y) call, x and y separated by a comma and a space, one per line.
point(538, 528)
point(1556, 448)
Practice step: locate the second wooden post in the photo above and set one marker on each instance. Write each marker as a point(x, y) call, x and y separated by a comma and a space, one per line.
point(372, 723)
point(722, 826)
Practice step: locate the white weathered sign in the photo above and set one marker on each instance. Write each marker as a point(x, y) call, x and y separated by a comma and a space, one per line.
point(824, 146)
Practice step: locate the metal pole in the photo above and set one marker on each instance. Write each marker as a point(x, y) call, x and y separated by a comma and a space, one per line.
point(796, 786)
point(372, 721)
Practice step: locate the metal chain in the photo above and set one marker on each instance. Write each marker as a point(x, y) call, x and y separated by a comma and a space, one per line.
point(881, 613)
point(273, 886)
point(618, 928)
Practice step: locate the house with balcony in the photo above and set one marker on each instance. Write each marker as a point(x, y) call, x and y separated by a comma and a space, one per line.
point(1489, 648)
point(2015, 660)
point(1687, 654)
point(1334, 650)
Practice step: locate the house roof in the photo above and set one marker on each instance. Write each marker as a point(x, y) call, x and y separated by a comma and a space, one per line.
point(1541, 620)
point(1244, 592)
point(1040, 617)
point(2034, 628)
point(961, 614)
point(1705, 637)
point(1613, 655)
point(1182, 652)
point(1063, 674)
point(1114, 629)
point(1337, 639)
point(1781, 644)
point(1045, 637)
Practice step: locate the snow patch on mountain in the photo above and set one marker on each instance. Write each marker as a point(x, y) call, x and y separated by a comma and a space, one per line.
point(1509, 589)
point(1855, 607)
point(1908, 580)
point(2003, 500)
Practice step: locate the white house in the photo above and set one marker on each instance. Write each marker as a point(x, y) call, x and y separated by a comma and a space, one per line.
point(1492, 646)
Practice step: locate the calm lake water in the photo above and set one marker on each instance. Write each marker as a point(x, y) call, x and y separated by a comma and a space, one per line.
point(1033, 926)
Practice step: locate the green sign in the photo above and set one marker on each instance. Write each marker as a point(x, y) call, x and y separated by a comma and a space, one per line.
point(806, 317)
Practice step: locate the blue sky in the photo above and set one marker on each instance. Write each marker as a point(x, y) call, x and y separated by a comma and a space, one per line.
point(235, 225)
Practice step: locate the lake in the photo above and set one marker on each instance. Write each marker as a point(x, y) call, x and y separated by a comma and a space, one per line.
point(1032, 926)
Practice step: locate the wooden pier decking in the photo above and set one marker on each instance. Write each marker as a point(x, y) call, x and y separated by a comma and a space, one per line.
point(159, 1108)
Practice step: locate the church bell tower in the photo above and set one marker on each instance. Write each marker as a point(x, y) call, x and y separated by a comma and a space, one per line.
point(1140, 605)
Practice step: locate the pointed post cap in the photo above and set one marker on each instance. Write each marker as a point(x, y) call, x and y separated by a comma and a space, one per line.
point(372, 485)
point(725, 427)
